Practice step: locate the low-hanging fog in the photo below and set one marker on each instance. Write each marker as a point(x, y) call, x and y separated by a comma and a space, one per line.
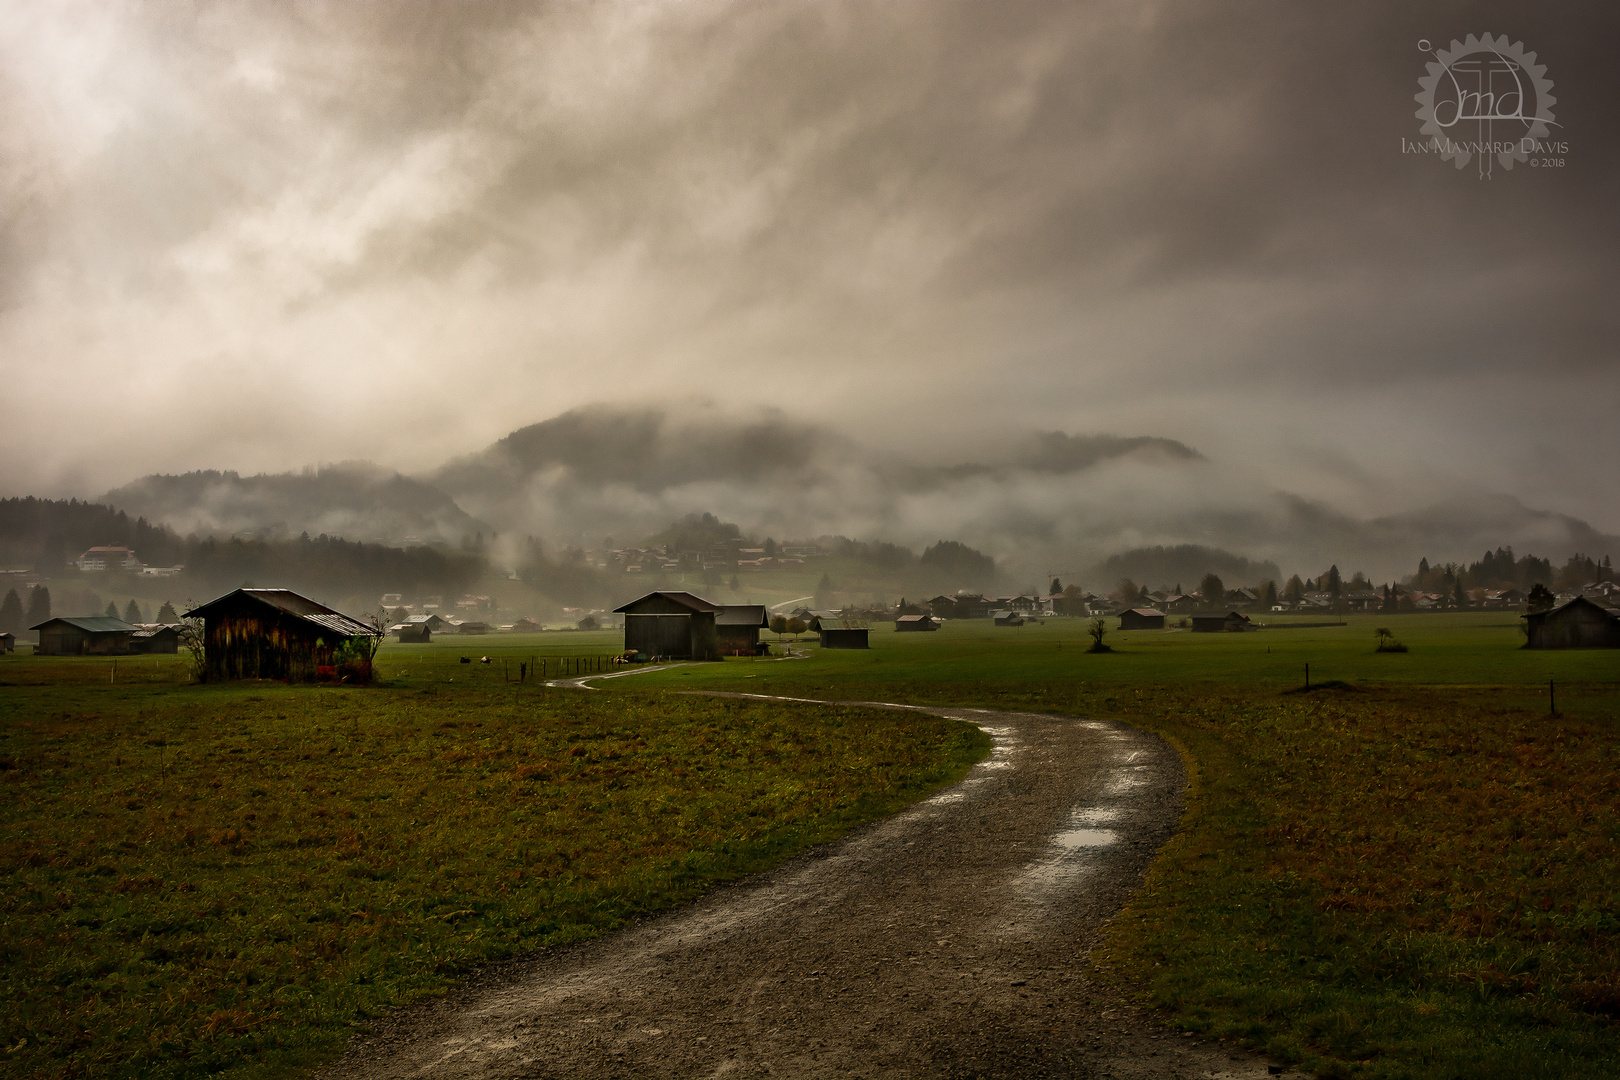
point(900, 243)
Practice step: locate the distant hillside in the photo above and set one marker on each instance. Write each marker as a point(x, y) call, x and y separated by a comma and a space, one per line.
point(46, 534)
point(355, 500)
point(1184, 565)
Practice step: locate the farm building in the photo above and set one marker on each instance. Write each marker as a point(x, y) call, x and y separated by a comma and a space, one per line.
point(526, 625)
point(737, 628)
point(84, 635)
point(673, 624)
point(8, 643)
point(1007, 618)
point(843, 634)
point(1141, 619)
point(1581, 623)
point(155, 638)
point(914, 623)
point(1213, 622)
point(412, 633)
point(272, 634)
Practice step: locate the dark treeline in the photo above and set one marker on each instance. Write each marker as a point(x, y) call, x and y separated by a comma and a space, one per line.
point(1501, 569)
point(47, 536)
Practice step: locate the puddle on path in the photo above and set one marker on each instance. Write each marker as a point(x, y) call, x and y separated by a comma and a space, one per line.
point(1079, 838)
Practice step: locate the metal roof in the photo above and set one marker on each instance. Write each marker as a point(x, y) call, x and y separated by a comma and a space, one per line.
point(91, 624)
point(302, 607)
point(742, 615)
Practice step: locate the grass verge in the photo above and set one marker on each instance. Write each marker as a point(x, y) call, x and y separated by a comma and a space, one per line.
point(207, 880)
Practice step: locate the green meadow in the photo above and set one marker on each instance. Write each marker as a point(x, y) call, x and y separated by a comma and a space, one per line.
point(1408, 871)
point(1412, 870)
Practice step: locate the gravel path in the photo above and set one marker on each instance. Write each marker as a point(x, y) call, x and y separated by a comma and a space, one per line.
point(950, 940)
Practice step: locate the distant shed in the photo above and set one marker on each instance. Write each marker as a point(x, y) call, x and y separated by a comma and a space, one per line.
point(844, 634)
point(737, 628)
point(84, 635)
point(272, 634)
point(1581, 623)
point(915, 623)
point(1141, 619)
point(155, 638)
point(1007, 618)
point(8, 643)
point(1214, 622)
point(674, 624)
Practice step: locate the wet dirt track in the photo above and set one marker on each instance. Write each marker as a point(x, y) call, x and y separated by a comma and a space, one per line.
point(950, 940)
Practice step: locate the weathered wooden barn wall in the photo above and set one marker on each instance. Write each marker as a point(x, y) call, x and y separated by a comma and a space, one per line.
point(1578, 624)
point(671, 624)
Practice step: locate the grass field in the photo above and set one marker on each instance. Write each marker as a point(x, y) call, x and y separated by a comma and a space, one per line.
point(1411, 872)
point(225, 878)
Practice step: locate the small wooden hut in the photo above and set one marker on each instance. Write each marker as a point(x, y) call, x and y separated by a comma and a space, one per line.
point(8, 642)
point(155, 638)
point(674, 624)
point(737, 628)
point(1581, 623)
point(84, 635)
point(1214, 622)
point(272, 634)
point(1141, 619)
point(843, 633)
point(915, 623)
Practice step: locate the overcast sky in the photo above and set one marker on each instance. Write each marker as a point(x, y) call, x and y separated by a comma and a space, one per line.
point(260, 236)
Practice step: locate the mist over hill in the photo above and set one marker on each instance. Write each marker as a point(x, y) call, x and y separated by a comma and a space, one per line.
point(356, 500)
point(1039, 501)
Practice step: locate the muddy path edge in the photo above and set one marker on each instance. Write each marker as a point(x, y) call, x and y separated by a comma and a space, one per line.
point(591, 1009)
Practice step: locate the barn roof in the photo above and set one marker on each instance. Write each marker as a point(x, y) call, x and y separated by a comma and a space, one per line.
point(291, 603)
point(682, 599)
point(91, 624)
point(1143, 611)
point(1589, 601)
point(742, 615)
point(915, 618)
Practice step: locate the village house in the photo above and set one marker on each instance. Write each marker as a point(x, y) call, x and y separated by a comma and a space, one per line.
point(99, 559)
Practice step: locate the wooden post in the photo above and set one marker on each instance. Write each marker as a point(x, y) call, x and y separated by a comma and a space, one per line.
point(1307, 676)
point(1552, 699)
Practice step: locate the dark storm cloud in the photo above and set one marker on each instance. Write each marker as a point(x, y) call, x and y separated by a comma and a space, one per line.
point(256, 236)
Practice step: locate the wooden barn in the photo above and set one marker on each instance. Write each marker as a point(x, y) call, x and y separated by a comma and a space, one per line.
point(1141, 618)
point(8, 642)
point(84, 635)
point(843, 634)
point(1214, 622)
point(272, 634)
point(674, 624)
point(155, 638)
point(915, 623)
point(737, 628)
point(1007, 618)
point(1581, 623)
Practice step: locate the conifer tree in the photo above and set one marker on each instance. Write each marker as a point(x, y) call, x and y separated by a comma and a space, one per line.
point(39, 605)
point(112, 609)
point(11, 614)
point(167, 614)
point(132, 613)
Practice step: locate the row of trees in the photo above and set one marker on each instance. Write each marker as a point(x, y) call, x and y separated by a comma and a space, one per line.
point(1501, 569)
point(16, 618)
